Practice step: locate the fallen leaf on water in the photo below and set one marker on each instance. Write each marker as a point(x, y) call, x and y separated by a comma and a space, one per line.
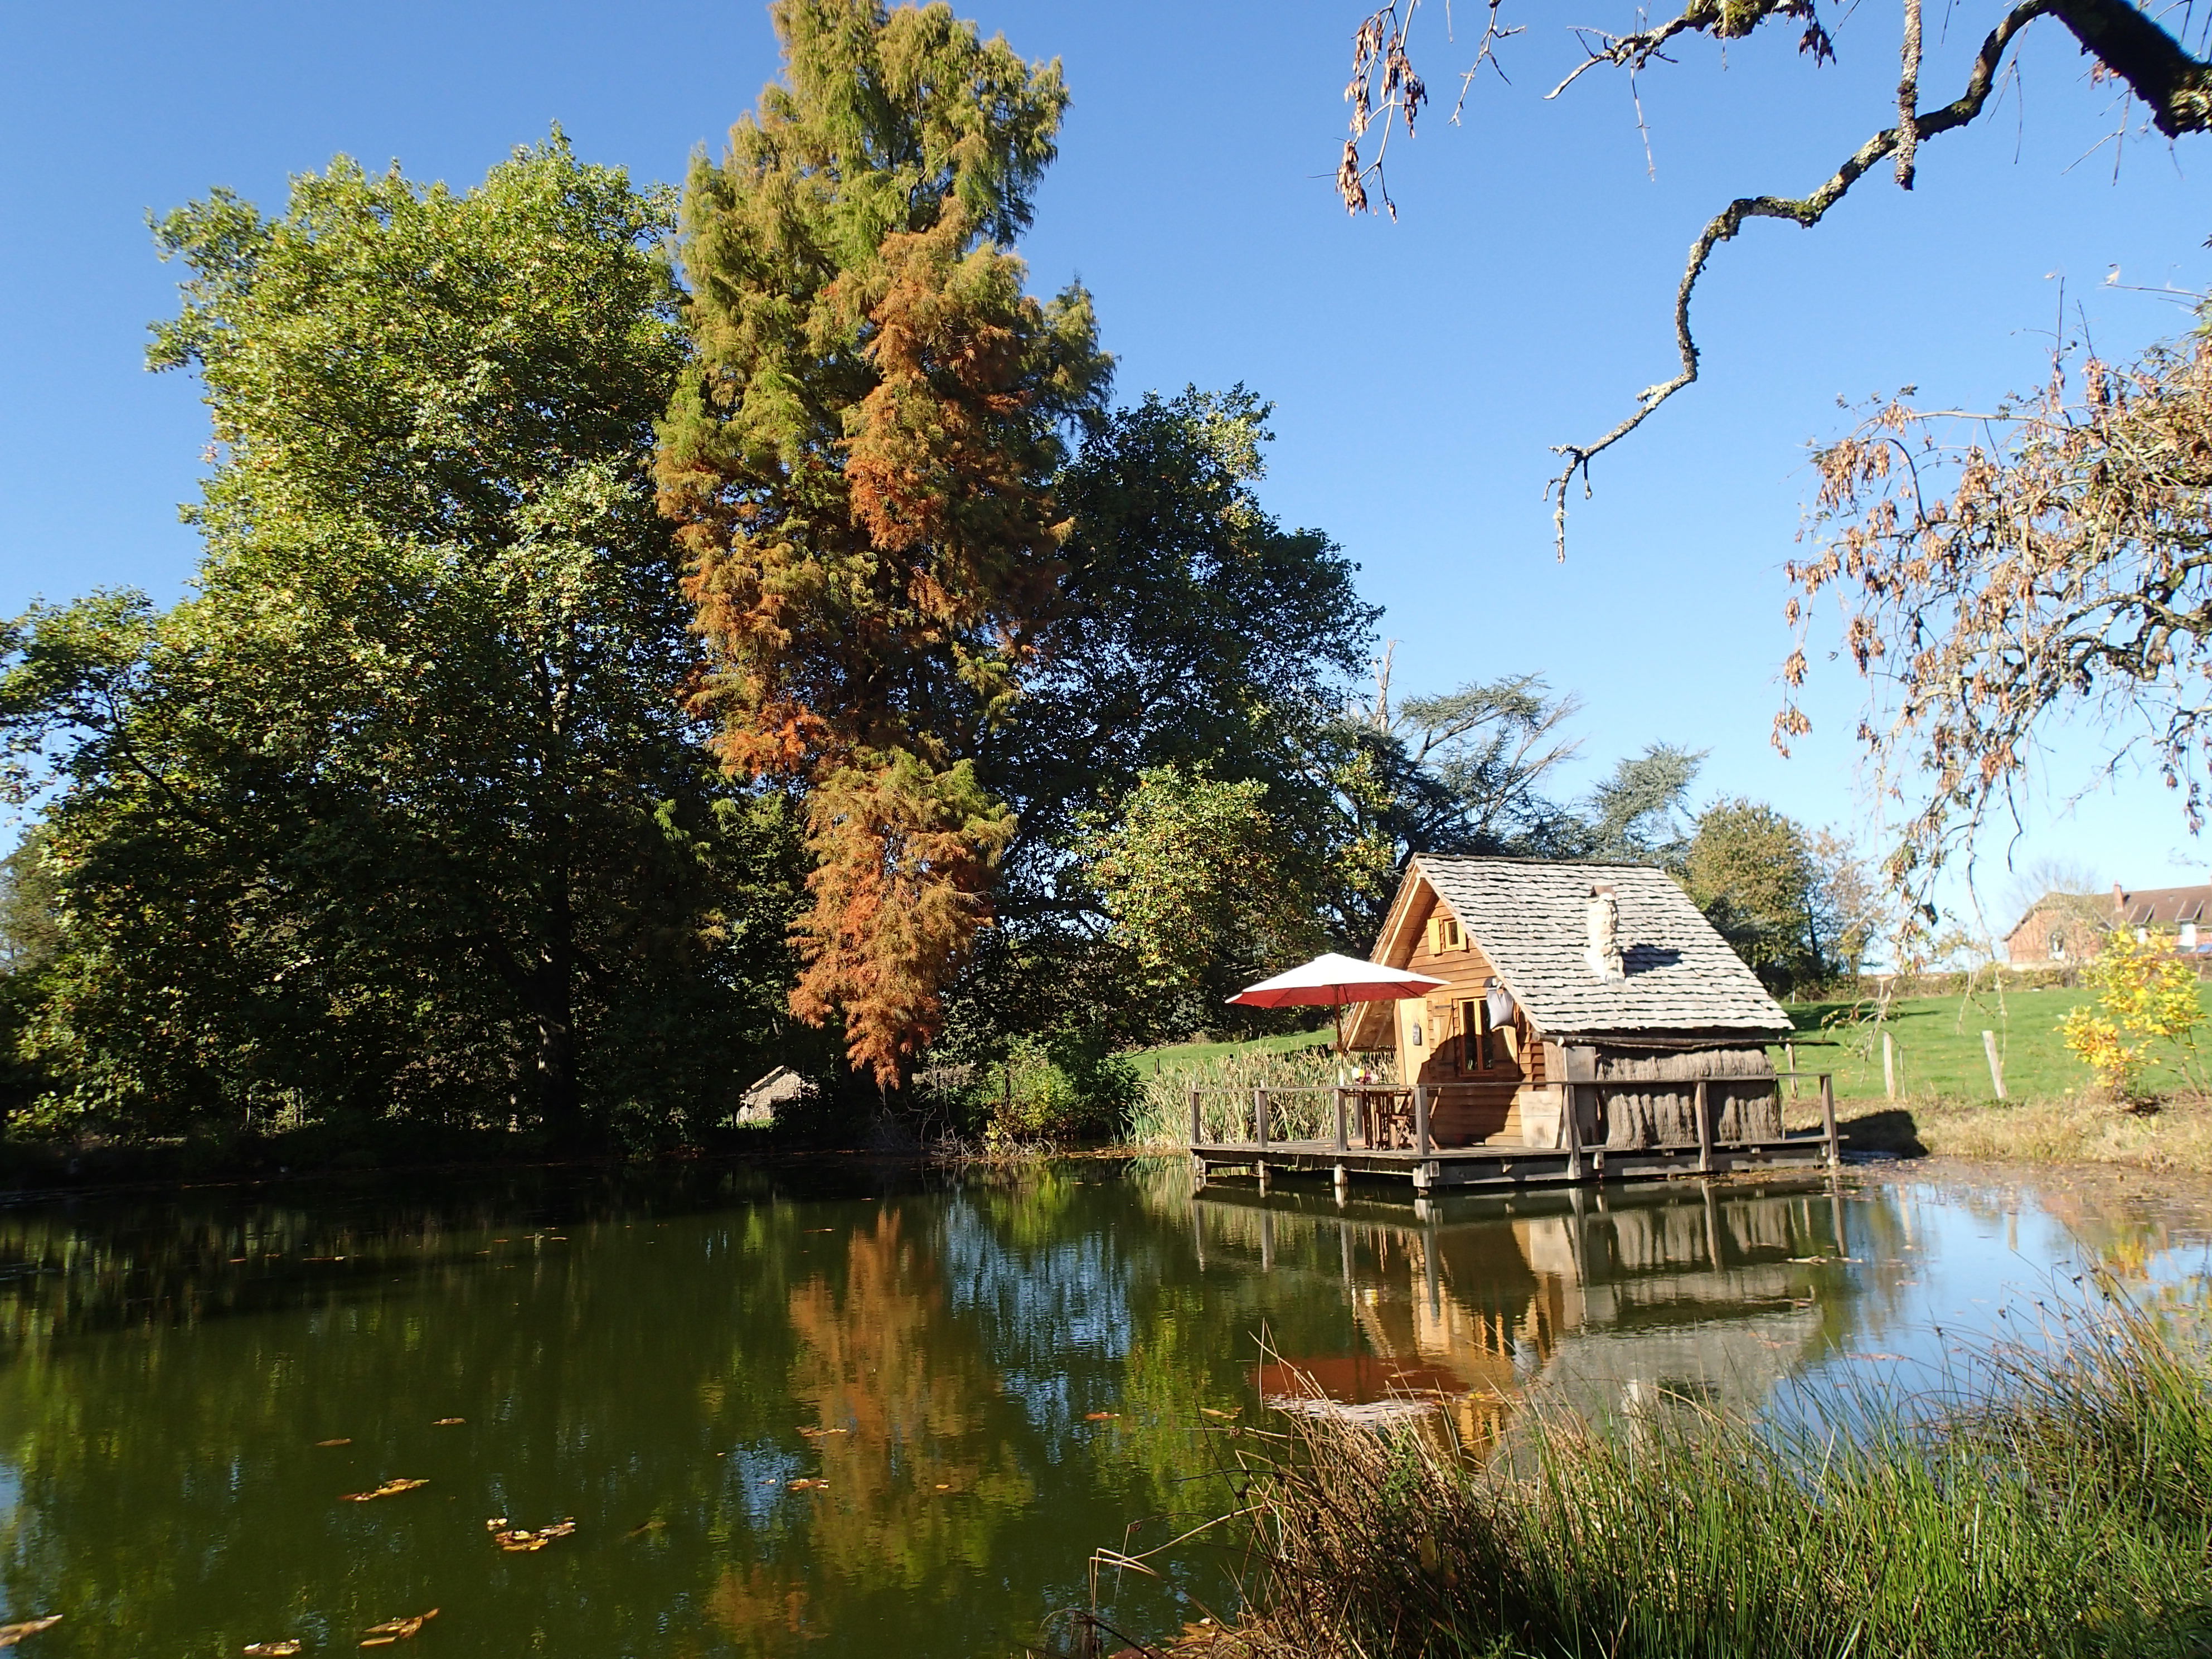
point(283, 1649)
point(815, 1434)
point(944, 1485)
point(809, 1485)
point(11, 1634)
point(522, 1541)
point(396, 1630)
point(644, 1527)
point(1210, 1411)
point(1100, 1417)
point(448, 1422)
point(390, 1488)
point(343, 1440)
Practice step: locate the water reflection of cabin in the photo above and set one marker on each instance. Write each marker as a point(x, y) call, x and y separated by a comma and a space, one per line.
point(1590, 1021)
point(1704, 1295)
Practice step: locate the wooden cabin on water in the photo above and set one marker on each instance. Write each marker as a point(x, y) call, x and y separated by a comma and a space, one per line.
point(1589, 1012)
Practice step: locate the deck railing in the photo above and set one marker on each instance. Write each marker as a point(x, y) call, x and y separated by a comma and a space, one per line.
point(1375, 1104)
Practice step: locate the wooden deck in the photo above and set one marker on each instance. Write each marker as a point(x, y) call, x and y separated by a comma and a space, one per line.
point(1365, 1145)
point(1494, 1164)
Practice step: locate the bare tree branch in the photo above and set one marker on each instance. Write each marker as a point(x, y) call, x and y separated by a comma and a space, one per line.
point(2125, 42)
point(1908, 97)
point(1805, 212)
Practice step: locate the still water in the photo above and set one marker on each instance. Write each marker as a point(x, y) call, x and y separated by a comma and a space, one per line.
point(834, 1410)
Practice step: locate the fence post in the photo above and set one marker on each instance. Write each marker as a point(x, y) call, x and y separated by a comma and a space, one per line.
point(1888, 1066)
point(1828, 1118)
point(1260, 1117)
point(1197, 1123)
point(1421, 1120)
point(1343, 1142)
point(1704, 1131)
point(1996, 1068)
point(1790, 1055)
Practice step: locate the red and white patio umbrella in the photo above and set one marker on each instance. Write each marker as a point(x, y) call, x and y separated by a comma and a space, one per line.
point(1331, 981)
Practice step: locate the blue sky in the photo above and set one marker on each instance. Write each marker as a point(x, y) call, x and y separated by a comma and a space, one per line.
point(1420, 370)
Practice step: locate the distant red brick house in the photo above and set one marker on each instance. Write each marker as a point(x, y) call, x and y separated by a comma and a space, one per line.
point(2070, 928)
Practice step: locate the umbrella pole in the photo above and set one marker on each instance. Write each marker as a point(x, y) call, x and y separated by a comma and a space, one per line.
point(1337, 1010)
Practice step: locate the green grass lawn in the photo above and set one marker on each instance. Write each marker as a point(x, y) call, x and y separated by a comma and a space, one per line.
point(1939, 1046)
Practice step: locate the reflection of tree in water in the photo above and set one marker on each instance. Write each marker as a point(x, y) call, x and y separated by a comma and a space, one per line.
point(905, 1412)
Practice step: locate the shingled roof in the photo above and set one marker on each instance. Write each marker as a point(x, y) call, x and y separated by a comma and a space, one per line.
point(1531, 920)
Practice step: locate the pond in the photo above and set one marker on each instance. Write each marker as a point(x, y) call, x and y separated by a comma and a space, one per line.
point(839, 1409)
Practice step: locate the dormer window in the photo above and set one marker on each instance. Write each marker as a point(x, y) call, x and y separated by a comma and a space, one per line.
point(1445, 934)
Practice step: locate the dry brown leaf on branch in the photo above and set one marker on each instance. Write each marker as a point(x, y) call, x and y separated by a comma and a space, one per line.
point(283, 1649)
point(390, 1488)
point(396, 1630)
point(11, 1634)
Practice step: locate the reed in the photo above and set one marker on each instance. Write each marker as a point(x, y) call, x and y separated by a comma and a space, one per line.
point(1161, 1117)
point(2063, 1507)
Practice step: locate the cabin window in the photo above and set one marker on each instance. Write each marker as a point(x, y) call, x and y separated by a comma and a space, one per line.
point(1479, 1043)
point(1444, 933)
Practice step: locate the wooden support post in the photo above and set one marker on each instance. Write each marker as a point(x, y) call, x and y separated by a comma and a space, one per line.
point(1790, 1056)
point(1828, 1118)
point(1888, 1066)
point(1421, 1120)
point(1343, 1142)
point(1197, 1125)
point(1260, 1117)
point(1343, 1183)
point(1997, 1067)
point(1574, 1128)
point(1267, 1241)
point(1705, 1129)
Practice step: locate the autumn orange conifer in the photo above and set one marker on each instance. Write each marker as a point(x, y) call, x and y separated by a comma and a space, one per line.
point(861, 465)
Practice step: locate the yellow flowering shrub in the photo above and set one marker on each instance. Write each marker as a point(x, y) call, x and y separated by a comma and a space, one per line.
point(2146, 996)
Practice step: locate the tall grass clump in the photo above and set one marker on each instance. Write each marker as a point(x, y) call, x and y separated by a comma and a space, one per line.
point(2064, 1508)
point(1161, 1117)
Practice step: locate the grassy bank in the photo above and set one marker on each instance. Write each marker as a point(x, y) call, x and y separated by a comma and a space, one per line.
point(2176, 1137)
point(1938, 1044)
point(2065, 1509)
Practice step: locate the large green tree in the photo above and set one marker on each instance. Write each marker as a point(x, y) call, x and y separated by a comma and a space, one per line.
point(1753, 871)
point(862, 460)
point(400, 811)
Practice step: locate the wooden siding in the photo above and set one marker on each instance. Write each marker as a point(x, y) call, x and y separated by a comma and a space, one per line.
point(1470, 1104)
